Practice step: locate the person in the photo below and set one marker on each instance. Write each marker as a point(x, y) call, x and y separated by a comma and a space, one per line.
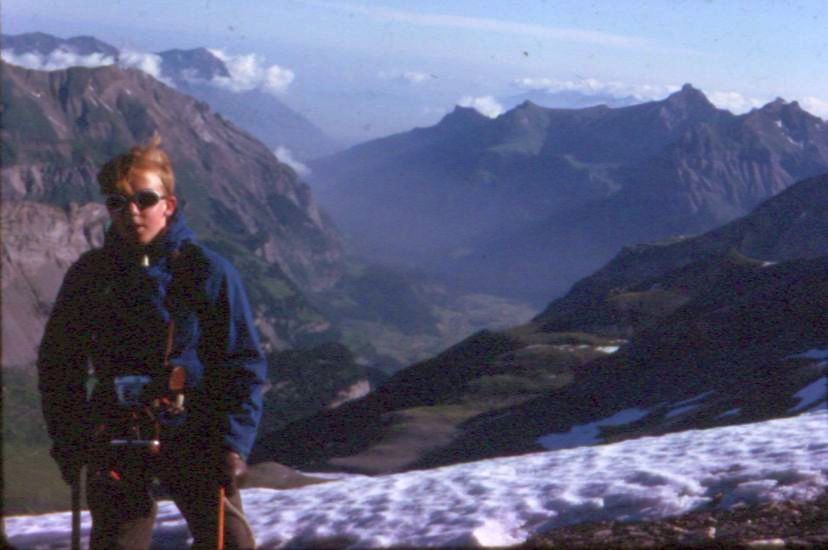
point(164, 326)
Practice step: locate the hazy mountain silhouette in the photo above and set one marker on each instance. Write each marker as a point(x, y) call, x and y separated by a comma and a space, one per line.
point(526, 204)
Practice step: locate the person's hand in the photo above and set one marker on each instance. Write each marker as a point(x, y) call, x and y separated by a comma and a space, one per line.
point(70, 459)
point(233, 470)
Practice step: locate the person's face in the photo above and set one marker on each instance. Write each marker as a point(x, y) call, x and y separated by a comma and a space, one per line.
point(138, 220)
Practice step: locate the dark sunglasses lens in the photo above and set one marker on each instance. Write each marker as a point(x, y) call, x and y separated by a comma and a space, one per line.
point(145, 199)
point(116, 202)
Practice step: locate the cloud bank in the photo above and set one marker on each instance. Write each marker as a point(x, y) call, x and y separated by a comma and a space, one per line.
point(815, 106)
point(249, 72)
point(56, 60)
point(485, 105)
point(150, 63)
point(734, 101)
point(409, 77)
point(594, 86)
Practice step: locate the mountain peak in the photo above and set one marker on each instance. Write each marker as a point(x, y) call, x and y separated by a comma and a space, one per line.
point(781, 108)
point(463, 115)
point(198, 63)
point(688, 95)
point(44, 44)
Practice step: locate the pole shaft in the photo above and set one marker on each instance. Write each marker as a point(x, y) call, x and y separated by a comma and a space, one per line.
point(220, 534)
point(76, 513)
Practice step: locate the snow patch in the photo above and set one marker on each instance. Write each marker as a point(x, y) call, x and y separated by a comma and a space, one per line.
point(588, 434)
point(504, 501)
point(812, 393)
point(695, 399)
point(680, 411)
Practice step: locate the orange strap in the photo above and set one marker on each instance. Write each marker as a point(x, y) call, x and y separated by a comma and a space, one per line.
point(220, 536)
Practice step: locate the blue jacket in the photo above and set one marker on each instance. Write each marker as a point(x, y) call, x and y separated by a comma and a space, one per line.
point(113, 312)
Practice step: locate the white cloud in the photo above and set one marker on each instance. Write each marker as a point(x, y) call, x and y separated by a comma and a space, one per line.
point(59, 59)
point(248, 72)
point(485, 105)
point(815, 106)
point(286, 155)
point(593, 86)
point(488, 25)
point(410, 77)
point(56, 60)
point(734, 101)
point(149, 63)
point(415, 77)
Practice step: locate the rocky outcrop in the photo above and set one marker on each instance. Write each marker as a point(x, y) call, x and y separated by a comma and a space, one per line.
point(782, 524)
point(40, 242)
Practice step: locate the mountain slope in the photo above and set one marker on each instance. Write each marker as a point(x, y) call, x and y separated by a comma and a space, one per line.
point(526, 204)
point(60, 126)
point(713, 337)
point(197, 72)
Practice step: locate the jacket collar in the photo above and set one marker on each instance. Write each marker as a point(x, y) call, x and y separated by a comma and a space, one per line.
point(176, 234)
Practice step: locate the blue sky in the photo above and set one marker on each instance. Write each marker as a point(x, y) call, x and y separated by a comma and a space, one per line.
point(381, 66)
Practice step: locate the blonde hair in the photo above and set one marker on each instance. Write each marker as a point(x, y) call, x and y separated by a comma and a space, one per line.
point(115, 175)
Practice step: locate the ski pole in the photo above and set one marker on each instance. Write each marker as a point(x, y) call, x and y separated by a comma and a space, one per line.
point(76, 512)
point(220, 539)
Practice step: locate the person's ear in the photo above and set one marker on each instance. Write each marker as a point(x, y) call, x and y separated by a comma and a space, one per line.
point(172, 204)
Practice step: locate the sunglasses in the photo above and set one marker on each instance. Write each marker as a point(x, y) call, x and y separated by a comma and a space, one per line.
point(144, 199)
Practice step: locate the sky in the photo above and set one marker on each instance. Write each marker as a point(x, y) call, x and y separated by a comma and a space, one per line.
point(365, 68)
point(504, 501)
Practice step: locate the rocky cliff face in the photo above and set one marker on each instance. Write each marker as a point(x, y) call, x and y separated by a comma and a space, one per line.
point(40, 242)
point(60, 126)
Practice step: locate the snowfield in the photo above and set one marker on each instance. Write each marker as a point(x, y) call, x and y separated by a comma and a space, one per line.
point(504, 501)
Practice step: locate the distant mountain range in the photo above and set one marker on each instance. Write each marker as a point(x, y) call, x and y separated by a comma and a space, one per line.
point(195, 72)
point(45, 44)
point(526, 204)
point(727, 327)
point(567, 99)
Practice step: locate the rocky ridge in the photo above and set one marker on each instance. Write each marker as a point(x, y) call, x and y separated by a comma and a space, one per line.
point(534, 200)
point(200, 73)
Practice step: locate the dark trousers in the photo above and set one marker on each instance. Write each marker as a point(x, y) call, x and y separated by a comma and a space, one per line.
point(123, 508)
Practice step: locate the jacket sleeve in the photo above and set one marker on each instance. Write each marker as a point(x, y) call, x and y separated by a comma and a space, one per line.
point(237, 376)
point(63, 361)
